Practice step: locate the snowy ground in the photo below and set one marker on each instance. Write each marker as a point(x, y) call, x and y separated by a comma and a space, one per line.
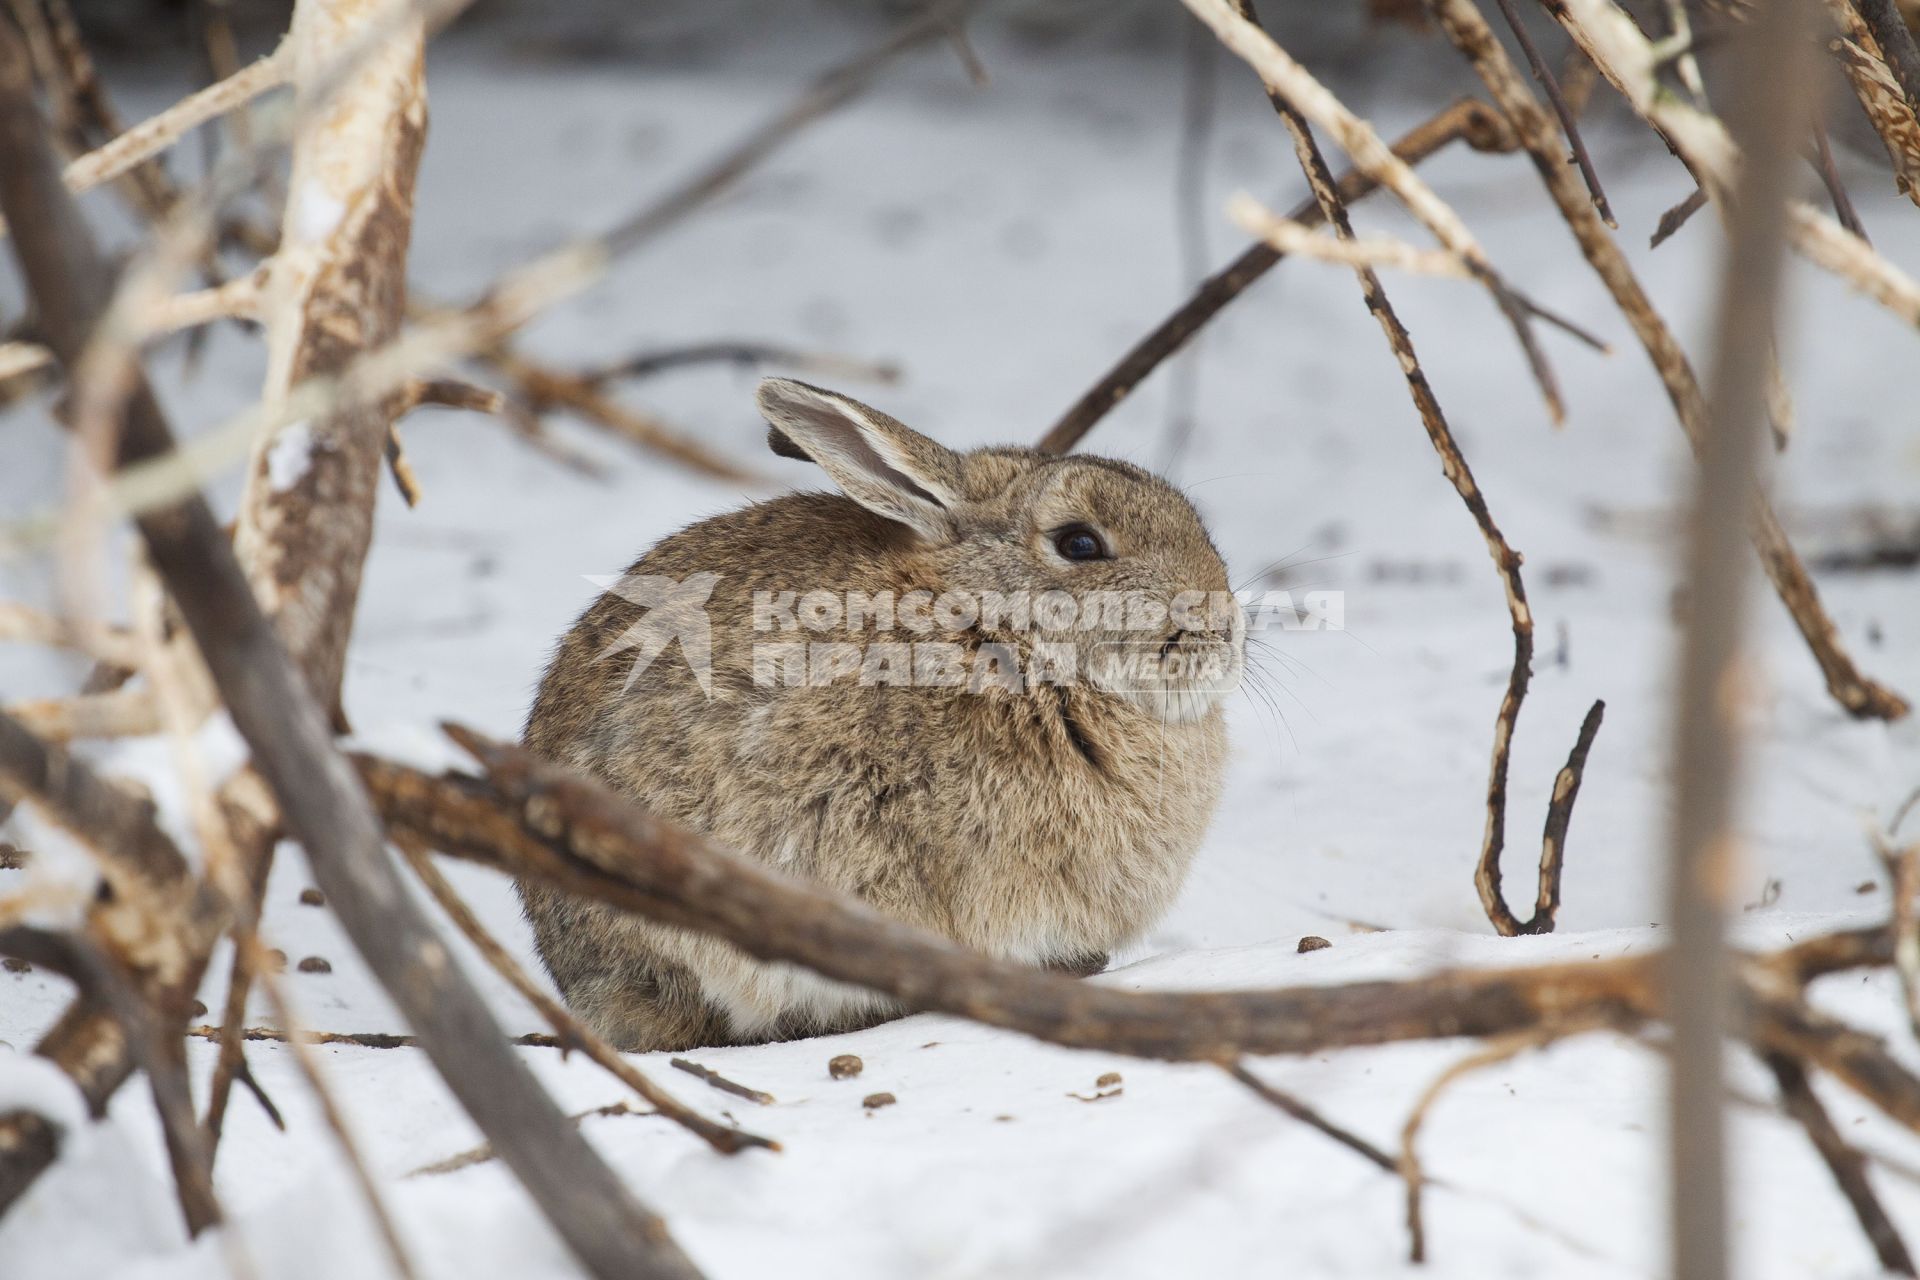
point(1004, 245)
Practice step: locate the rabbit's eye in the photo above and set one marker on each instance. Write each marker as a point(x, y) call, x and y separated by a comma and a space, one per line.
point(1078, 542)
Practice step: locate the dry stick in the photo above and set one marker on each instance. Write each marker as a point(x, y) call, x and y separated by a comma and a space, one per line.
point(1495, 1051)
point(22, 625)
point(1771, 93)
point(1896, 45)
point(589, 841)
point(1286, 77)
point(1848, 1166)
point(358, 1039)
point(572, 1033)
point(535, 820)
point(1313, 1119)
point(747, 355)
point(309, 1068)
point(1631, 64)
point(157, 133)
point(1469, 118)
point(1879, 95)
point(1675, 218)
point(1298, 240)
point(1453, 464)
point(1786, 1023)
point(163, 1059)
point(516, 297)
point(542, 389)
point(484, 1152)
point(1561, 110)
point(721, 1083)
point(446, 393)
point(1822, 161)
point(1903, 882)
point(171, 928)
point(1861, 696)
point(275, 712)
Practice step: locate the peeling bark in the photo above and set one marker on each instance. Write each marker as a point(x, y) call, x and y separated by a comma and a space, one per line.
point(337, 287)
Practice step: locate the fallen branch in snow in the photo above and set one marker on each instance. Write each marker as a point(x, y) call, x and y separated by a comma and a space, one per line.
point(532, 819)
point(1470, 119)
point(721, 1083)
point(485, 1152)
point(1306, 1115)
point(1848, 1166)
point(1495, 1051)
point(358, 1039)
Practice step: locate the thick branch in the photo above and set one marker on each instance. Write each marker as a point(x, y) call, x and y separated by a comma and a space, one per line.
point(272, 707)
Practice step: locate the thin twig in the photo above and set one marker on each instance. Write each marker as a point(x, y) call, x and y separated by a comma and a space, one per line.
point(485, 1152)
point(1495, 1051)
point(1453, 465)
point(1468, 119)
point(570, 1031)
point(1822, 161)
point(1284, 76)
point(357, 1039)
point(1848, 1167)
point(1861, 696)
point(1313, 1119)
point(1675, 218)
point(721, 1083)
point(1298, 240)
point(746, 355)
point(1569, 124)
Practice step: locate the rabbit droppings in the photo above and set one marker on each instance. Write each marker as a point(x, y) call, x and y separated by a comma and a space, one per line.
point(1034, 791)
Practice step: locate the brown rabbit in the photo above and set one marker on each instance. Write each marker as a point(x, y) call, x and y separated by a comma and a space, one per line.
point(1033, 787)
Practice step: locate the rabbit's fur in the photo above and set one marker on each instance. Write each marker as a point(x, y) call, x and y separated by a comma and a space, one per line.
point(1047, 825)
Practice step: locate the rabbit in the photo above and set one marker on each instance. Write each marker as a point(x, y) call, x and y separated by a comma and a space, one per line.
point(1039, 819)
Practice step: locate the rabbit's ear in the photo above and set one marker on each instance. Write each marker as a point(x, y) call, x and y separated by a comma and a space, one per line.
point(881, 464)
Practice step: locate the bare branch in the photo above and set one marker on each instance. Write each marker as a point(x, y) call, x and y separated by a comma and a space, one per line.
point(272, 706)
point(1469, 119)
point(1848, 1167)
point(1562, 110)
point(1861, 696)
point(1287, 78)
point(571, 1032)
point(1772, 86)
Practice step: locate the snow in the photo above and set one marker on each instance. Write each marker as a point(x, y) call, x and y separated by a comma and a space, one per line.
point(1004, 245)
point(317, 211)
point(290, 456)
